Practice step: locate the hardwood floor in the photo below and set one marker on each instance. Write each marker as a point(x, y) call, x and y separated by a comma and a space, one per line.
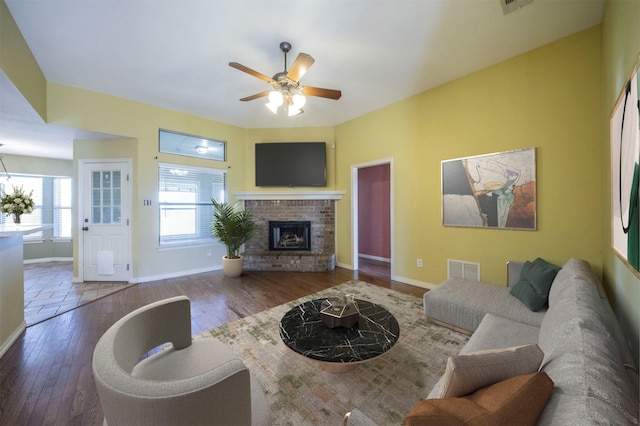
point(46, 376)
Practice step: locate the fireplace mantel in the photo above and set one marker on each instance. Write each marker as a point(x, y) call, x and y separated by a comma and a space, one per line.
point(289, 195)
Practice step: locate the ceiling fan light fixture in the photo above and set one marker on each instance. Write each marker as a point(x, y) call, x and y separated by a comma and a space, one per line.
point(276, 98)
point(294, 111)
point(299, 100)
point(287, 91)
point(272, 107)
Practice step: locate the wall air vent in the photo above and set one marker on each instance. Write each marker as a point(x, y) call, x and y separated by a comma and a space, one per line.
point(461, 269)
point(509, 6)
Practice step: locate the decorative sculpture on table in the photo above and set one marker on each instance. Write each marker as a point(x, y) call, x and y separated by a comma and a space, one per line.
point(340, 312)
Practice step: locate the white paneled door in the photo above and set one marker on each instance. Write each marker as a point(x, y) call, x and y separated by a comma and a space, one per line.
point(104, 217)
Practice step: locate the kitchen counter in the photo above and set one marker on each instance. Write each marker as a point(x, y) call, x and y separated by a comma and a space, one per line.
point(12, 322)
point(9, 230)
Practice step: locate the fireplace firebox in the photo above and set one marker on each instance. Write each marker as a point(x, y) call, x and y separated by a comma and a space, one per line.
point(289, 235)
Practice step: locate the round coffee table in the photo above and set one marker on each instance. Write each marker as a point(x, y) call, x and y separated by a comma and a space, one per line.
point(339, 349)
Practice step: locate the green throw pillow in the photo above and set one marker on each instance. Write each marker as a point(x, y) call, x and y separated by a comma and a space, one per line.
point(535, 282)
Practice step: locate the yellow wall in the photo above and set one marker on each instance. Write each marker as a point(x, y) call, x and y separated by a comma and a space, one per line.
point(549, 99)
point(17, 63)
point(620, 48)
point(138, 123)
point(37, 166)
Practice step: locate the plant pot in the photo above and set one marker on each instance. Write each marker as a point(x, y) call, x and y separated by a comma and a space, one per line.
point(232, 267)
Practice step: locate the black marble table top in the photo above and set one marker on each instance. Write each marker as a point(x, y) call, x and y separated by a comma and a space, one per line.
point(375, 333)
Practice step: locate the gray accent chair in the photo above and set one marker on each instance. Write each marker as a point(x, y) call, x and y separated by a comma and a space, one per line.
point(191, 382)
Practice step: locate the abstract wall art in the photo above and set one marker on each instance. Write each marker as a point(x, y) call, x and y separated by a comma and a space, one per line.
point(625, 157)
point(496, 191)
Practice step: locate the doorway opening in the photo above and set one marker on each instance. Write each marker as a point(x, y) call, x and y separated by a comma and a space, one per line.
point(373, 218)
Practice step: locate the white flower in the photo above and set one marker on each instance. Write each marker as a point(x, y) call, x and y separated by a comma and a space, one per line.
point(17, 202)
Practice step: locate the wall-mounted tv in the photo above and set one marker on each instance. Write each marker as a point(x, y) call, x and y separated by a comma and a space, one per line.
point(291, 164)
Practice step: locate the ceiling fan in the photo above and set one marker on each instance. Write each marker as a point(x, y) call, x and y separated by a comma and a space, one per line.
point(287, 91)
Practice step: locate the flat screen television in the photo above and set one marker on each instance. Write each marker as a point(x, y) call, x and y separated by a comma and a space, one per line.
point(291, 164)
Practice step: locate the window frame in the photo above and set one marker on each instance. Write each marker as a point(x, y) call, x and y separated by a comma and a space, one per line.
point(202, 207)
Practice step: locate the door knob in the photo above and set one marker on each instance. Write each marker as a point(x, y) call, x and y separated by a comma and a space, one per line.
point(85, 228)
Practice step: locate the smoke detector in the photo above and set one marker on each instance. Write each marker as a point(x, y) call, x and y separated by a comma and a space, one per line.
point(509, 6)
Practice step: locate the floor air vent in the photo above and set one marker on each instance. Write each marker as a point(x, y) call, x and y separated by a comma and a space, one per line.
point(461, 269)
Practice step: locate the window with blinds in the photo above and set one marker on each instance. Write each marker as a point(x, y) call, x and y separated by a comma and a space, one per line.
point(61, 207)
point(184, 202)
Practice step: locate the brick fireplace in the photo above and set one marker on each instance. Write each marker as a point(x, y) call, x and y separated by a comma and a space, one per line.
point(317, 208)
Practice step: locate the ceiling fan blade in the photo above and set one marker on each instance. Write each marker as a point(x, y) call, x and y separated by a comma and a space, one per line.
point(256, 96)
point(302, 63)
point(322, 93)
point(250, 71)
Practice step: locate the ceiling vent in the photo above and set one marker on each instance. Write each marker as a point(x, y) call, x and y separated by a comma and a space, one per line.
point(509, 6)
point(462, 269)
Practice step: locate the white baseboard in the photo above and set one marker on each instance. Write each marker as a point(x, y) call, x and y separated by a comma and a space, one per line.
point(413, 282)
point(345, 266)
point(378, 258)
point(404, 280)
point(137, 280)
point(11, 340)
point(48, 259)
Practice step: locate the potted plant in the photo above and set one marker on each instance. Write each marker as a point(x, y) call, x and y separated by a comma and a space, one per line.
point(233, 227)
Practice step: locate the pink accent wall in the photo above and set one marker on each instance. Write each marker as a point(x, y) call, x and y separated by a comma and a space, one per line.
point(374, 216)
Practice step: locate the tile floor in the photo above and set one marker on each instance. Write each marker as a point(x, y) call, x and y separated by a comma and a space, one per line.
point(49, 290)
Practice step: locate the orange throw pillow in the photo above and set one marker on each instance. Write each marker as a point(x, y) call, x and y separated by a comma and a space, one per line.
point(515, 401)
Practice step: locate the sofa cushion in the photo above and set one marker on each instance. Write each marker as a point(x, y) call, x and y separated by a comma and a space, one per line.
point(515, 401)
point(586, 368)
point(466, 373)
point(577, 301)
point(495, 332)
point(573, 268)
point(464, 303)
point(581, 356)
point(535, 281)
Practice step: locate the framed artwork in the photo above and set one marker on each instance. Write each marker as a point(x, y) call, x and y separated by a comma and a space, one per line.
point(624, 130)
point(496, 191)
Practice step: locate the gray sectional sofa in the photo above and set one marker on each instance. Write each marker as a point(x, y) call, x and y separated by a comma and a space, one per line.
point(594, 374)
point(595, 377)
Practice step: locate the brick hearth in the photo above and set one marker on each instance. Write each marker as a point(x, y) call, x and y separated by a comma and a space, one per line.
point(321, 214)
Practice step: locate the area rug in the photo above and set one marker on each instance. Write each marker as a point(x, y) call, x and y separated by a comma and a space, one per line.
point(385, 389)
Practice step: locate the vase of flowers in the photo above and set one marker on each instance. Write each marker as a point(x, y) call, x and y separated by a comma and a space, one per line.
point(17, 203)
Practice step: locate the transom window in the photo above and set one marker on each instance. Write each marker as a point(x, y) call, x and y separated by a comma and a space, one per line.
point(184, 201)
point(191, 146)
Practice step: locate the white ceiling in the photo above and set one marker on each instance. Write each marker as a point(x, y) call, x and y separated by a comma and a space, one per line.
point(175, 53)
